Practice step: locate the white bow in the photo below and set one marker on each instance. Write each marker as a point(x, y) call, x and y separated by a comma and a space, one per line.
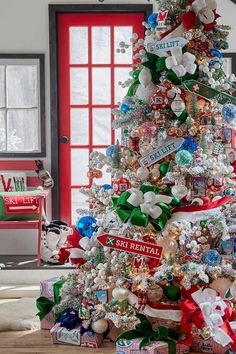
point(213, 309)
point(146, 201)
point(181, 63)
point(204, 10)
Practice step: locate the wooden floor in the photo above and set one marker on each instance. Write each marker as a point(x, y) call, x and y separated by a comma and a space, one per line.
point(39, 342)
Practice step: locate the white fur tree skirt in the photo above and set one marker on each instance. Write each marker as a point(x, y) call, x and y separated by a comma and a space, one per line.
point(18, 315)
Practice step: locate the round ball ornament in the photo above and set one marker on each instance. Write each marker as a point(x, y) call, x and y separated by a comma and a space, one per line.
point(179, 191)
point(121, 185)
point(189, 145)
point(100, 326)
point(183, 157)
point(154, 293)
point(172, 293)
point(152, 20)
point(229, 113)
point(120, 294)
point(212, 258)
point(142, 173)
point(159, 101)
point(164, 168)
point(86, 226)
point(125, 108)
point(110, 150)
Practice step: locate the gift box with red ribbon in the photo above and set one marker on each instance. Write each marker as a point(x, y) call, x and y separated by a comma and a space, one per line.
point(61, 335)
point(201, 345)
point(124, 346)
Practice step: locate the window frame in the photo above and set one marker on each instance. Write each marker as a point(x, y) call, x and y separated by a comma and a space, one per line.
point(41, 84)
point(54, 10)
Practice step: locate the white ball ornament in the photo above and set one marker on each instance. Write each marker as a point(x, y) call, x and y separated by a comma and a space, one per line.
point(120, 294)
point(100, 326)
point(142, 173)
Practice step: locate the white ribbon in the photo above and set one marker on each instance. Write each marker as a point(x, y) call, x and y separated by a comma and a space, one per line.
point(204, 10)
point(146, 201)
point(181, 63)
point(213, 309)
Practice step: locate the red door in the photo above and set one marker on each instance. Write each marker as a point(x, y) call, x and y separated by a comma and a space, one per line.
point(89, 72)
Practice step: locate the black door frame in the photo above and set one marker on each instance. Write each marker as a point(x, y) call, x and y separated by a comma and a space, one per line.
point(54, 10)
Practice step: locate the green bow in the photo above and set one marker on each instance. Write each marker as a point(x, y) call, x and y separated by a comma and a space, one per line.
point(44, 305)
point(127, 211)
point(144, 330)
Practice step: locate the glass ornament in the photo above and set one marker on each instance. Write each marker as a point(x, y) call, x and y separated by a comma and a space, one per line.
point(183, 157)
point(229, 113)
point(189, 145)
point(212, 258)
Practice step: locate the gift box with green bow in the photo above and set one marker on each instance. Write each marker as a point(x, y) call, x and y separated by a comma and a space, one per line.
point(144, 205)
point(160, 340)
point(49, 296)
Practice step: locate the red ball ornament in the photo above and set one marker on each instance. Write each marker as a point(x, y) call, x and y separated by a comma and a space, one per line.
point(159, 101)
point(121, 185)
point(215, 184)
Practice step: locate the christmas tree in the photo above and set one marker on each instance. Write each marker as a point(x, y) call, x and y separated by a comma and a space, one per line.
point(159, 241)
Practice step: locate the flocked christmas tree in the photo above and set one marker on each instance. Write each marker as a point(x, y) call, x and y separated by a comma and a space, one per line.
point(160, 239)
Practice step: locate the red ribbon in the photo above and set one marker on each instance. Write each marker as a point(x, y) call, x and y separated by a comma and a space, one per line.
point(207, 206)
point(192, 315)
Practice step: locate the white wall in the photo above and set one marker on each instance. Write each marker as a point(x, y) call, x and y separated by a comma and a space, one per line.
point(24, 29)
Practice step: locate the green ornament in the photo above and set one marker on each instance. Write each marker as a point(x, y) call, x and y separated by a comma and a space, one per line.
point(135, 74)
point(164, 168)
point(172, 293)
point(167, 190)
point(183, 157)
point(203, 224)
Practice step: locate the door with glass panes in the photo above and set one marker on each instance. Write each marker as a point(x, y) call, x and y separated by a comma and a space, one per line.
point(89, 70)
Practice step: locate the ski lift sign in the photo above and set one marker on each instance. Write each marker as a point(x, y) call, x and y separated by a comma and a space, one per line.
point(162, 151)
point(21, 204)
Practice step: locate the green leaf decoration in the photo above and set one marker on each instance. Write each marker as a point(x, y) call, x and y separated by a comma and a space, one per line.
point(161, 64)
point(141, 317)
point(173, 78)
point(152, 57)
point(155, 76)
point(144, 326)
point(150, 65)
point(144, 343)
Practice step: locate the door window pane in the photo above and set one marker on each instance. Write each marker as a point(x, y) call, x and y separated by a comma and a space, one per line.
point(106, 177)
point(2, 130)
point(2, 86)
point(101, 45)
point(21, 86)
point(101, 126)
point(78, 201)
point(79, 166)
point(101, 85)
point(22, 130)
point(79, 126)
point(79, 86)
point(78, 45)
point(123, 34)
point(121, 74)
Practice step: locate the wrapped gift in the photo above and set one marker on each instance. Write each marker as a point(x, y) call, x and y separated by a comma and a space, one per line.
point(47, 291)
point(91, 340)
point(201, 345)
point(124, 346)
point(61, 335)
